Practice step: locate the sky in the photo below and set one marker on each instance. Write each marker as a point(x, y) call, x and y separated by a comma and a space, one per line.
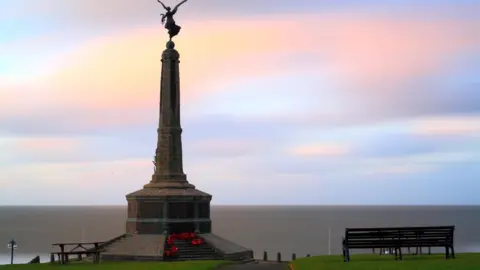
point(283, 102)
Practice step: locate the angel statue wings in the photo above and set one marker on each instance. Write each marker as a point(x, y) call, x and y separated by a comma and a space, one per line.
point(170, 25)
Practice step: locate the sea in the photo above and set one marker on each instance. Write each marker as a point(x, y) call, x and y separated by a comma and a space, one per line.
point(301, 230)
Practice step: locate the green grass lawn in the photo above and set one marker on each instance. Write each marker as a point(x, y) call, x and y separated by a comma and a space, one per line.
point(188, 265)
point(463, 261)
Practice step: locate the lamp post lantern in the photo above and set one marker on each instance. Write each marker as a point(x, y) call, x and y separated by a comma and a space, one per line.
point(12, 245)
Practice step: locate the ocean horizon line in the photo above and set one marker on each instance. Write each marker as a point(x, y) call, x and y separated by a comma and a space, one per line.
point(257, 205)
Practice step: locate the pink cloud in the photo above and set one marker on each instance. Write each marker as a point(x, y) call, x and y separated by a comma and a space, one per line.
point(80, 174)
point(39, 148)
point(367, 55)
point(321, 149)
point(418, 163)
point(228, 147)
point(447, 126)
point(47, 144)
point(388, 169)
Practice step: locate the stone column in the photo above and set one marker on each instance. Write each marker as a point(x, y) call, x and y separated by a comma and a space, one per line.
point(169, 164)
point(168, 154)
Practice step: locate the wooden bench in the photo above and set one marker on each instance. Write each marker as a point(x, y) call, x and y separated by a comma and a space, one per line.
point(397, 238)
point(79, 250)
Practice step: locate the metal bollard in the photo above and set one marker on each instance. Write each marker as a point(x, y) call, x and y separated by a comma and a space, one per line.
point(279, 257)
point(265, 256)
point(294, 257)
point(52, 258)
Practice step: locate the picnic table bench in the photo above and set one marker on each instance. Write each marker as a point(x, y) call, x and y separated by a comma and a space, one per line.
point(80, 249)
point(396, 238)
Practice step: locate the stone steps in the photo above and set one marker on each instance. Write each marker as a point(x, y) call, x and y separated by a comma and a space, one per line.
point(187, 251)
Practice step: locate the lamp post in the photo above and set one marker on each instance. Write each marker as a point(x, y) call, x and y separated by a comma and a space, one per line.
point(12, 245)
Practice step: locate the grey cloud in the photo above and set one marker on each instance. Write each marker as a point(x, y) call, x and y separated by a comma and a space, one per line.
point(128, 11)
point(435, 99)
point(91, 149)
point(72, 16)
point(420, 101)
point(73, 122)
point(117, 14)
point(207, 137)
point(396, 145)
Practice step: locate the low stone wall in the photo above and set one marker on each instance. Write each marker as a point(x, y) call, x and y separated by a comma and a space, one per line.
point(136, 247)
point(238, 256)
point(105, 244)
point(111, 241)
point(228, 249)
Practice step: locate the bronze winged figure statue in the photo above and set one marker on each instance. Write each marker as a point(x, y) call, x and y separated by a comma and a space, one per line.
point(167, 18)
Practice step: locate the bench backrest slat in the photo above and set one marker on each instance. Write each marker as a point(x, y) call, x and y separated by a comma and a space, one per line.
point(417, 228)
point(398, 236)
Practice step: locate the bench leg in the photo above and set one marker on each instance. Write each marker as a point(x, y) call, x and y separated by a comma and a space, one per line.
point(453, 251)
point(400, 251)
point(396, 254)
point(429, 251)
point(447, 253)
point(347, 255)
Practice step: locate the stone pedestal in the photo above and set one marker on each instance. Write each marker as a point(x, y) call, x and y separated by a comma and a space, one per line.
point(160, 211)
point(169, 203)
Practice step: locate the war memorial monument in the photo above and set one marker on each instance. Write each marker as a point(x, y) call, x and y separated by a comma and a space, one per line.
point(169, 204)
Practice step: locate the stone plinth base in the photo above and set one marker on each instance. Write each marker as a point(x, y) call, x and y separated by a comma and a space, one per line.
point(153, 210)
